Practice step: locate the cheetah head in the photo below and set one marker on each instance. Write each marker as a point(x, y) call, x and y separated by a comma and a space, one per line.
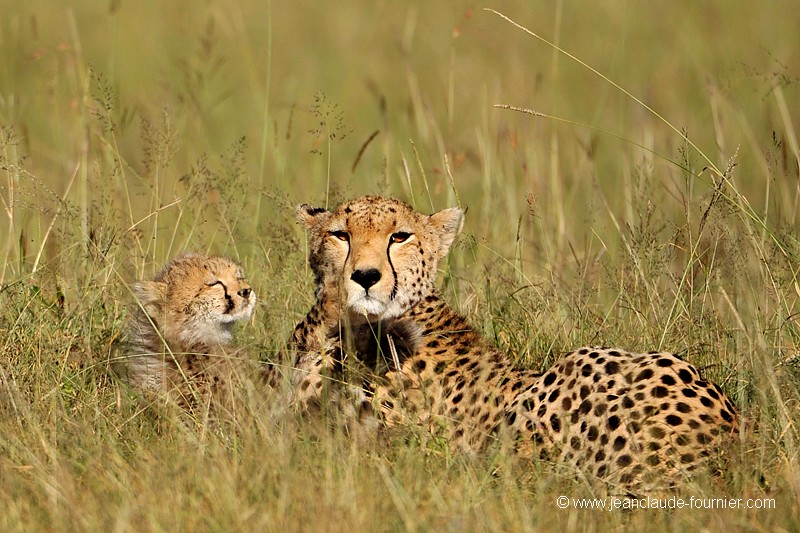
point(196, 299)
point(377, 255)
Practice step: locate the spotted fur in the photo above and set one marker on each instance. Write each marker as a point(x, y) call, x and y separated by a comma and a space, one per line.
point(619, 415)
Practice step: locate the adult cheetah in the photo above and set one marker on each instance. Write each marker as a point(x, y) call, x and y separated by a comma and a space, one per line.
point(620, 415)
point(177, 340)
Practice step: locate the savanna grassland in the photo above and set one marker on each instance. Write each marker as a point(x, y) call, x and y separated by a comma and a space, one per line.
point(640, 188)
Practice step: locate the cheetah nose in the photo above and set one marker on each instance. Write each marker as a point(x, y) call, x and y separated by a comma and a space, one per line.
point(366, 278)
point(244, 293)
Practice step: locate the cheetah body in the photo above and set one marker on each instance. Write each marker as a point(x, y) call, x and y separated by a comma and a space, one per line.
point(617, 414)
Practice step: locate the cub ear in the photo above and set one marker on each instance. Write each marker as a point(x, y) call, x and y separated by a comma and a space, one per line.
point(448, 224)
point(309, 216)
point(150, 294)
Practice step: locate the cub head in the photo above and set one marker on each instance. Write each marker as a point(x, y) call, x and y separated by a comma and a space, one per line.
point(377, 255)
point(196, 299)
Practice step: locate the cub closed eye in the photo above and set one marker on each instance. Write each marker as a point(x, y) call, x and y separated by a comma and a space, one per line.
point(341, 235)
point(400, 236)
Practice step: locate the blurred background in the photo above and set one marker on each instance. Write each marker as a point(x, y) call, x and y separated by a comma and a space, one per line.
point(138, 104)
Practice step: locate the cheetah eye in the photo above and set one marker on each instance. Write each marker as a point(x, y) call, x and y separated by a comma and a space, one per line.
point(218, 282)
point(341, 235)
point(400, 236)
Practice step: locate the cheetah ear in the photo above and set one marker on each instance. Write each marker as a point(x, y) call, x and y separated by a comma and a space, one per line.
point(150, 294)
point(448, 224)
point(309, 216)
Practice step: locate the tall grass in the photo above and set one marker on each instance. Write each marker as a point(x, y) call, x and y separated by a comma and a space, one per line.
point(652, 207)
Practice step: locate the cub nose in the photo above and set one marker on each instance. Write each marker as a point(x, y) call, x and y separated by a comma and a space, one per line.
point(366, 278)
point(244, 293)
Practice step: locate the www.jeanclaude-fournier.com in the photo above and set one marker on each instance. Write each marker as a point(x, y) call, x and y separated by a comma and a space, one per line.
point(627, 504)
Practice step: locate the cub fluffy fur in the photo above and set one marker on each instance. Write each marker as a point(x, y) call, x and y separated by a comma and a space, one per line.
point(178, 337)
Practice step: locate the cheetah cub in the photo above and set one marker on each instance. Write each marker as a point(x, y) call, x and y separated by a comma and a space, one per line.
point(178, 339)
point(622, 416)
